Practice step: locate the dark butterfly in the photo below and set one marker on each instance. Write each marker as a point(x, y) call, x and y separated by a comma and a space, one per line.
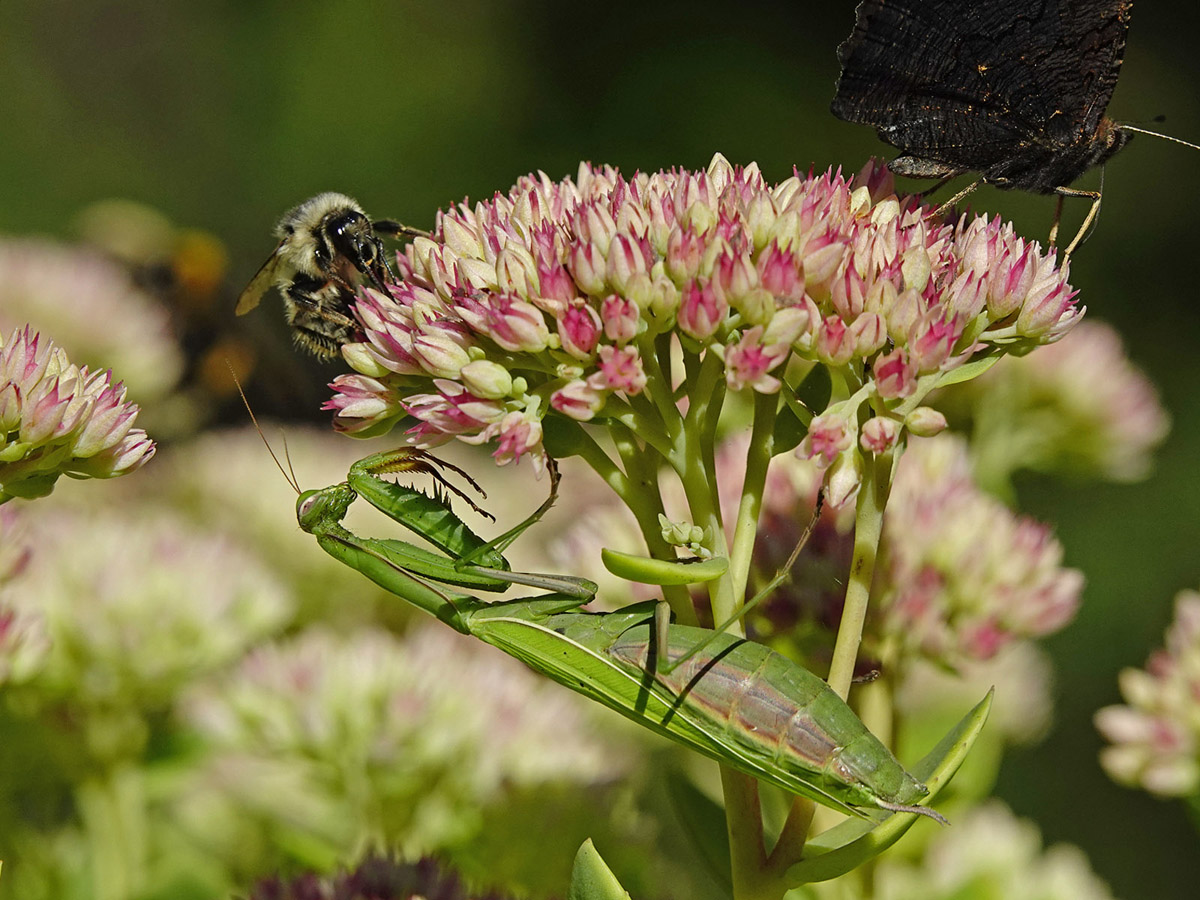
point(1013, 89)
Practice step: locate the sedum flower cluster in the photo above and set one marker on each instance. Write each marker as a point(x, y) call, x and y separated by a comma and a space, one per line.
point(1080, 407)
point(1156, 737)
point(964, 576)
point(559, 298)
point(57, 418)
point(371, 738)
point(147, 604)
point(93, 309)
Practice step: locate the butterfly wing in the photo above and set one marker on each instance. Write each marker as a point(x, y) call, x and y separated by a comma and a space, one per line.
point(989, 87)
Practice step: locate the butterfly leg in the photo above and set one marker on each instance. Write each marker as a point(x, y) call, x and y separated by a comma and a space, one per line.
point(969, 189)
point(1088, 221)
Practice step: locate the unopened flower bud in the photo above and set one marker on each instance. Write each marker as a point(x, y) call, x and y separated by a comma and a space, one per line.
point(486, 379)
point(925, 421)
point(843, 479)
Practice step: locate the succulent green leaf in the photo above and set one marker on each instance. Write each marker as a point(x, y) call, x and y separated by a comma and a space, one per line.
point(592, 879)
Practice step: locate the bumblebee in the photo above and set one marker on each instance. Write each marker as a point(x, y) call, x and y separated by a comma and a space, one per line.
point(327, 248)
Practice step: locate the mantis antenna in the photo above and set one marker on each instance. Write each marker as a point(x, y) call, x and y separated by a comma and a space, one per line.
point(289, 473)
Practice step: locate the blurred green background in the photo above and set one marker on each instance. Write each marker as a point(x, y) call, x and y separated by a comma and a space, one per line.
point(224, 114)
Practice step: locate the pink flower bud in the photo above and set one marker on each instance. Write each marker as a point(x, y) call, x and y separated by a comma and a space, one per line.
point(1010, 279)
point(869, 333)
point(626, 258)
point(588, 266)
point(828, 435)
point(733, 276)
point(932, 340)
point(967, 296)
point(1050, 303)
point(748, 361)
point(848, 293)
point(578, 399)
point(621, 318)
point(879, 434)
point(786, 326)
point(685, 248)
point(486, 379)
point(516, 325)
point(595, 224)
point(620, 369)
point(515, 273)
point(579, 331)
point(701, 312)
point(518, 433)
point(895, 376)
point(835, 343)
point(903, 315)
point(779, 272)
point(555, 282)
point(843, 480)
point(442, 352)
point(878, 179)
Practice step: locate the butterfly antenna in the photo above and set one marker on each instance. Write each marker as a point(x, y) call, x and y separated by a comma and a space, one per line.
point(289, 473)
point(1165, 137)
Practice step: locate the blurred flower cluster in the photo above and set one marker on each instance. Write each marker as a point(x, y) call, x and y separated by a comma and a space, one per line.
point(340, 739)
point(1079, 408)
point(56, 419)
point(991, 854)
point(1156, 738)
point(88, 305)
point(146, 605)
point(964, 576)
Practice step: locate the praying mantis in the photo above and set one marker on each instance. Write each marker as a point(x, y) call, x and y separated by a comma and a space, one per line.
point(733, 700)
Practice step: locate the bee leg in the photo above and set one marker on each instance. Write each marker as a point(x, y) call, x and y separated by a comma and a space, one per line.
point(395, 229)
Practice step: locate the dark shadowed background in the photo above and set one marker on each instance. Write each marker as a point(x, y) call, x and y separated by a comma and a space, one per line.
point(224, 114)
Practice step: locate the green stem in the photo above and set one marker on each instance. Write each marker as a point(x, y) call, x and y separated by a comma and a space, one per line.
point(645, 427)
point(758, 459)
point(639, 491)
point(743, 821)
point(658, 383)
point(112, 810)
point(868, 528)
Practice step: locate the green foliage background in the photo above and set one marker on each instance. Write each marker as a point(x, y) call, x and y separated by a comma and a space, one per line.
point(223, 114)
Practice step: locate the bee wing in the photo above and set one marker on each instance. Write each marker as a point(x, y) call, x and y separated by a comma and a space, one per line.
point(259, 284)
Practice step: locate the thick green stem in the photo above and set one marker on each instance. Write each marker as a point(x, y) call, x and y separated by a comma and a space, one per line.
point(642, 469)
point(758, 459)
point(112, 810)
point(752, 879)
point(868, 528)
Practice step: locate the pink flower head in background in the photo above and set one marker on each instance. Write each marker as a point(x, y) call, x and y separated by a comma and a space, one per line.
point(1155, 739)
point(56, 419)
